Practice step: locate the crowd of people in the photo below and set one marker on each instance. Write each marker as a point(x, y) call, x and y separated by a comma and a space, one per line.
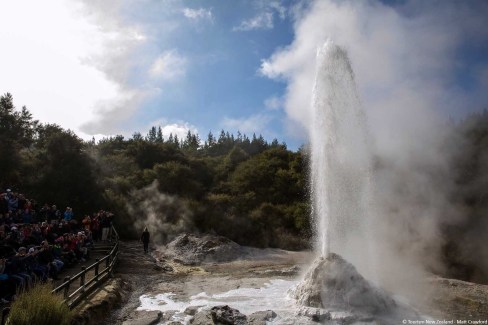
point(36, 243)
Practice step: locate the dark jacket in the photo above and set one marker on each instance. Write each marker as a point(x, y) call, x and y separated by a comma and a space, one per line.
point(145, 236)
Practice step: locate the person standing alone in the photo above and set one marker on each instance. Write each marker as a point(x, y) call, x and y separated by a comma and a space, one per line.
point(145, 240)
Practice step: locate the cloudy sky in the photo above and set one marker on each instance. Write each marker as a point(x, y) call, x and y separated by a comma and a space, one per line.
point(115, 67)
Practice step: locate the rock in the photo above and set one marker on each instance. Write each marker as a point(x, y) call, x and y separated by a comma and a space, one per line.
point(261, 317)
point(321, 315)
point(315, 314)
point(167, 315)
point(339, 293)
point(290, 271)
point(203, 317)
point(190, 249)
point(227, 316)
point(345, 289)
point(101, 301)
point(191, 310)
point(145, 318)
point(167, 268)
point(294, 270)
point(174, 323)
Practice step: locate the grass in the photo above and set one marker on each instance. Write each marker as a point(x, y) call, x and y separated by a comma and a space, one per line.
point(40, 307)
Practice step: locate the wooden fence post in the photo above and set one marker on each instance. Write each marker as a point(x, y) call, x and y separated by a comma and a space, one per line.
point(82, 278)
point(97, 262)
point(66, 287)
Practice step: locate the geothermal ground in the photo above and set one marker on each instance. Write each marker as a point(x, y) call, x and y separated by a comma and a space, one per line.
point(256, 281)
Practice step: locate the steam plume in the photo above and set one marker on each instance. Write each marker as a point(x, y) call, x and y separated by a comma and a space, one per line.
point(164, 215)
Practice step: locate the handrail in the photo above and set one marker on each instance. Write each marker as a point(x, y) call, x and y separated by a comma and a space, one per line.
point(86, 286)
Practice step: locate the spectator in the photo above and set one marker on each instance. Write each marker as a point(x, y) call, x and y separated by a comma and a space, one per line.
point(20, 262)
point(26, 216)
point(21, 201)
point(86, 222)
point(3, 203)
point(46, 261)
point(68, 214)
point(105, 224)
point(95, 227)
point(54, 215)
point(13, 201)
point(7, 284)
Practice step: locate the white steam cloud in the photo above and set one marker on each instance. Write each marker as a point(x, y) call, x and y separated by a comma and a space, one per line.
point(406, 64)
point(165, 216)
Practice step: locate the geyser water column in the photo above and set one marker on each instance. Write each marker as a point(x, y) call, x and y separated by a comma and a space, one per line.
point(341, 158)
point(340, 176)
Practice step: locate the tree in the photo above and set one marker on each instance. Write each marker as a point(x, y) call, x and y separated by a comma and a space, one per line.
point(176, 178)
point(159, 136)
point(152, 135)
point(67, 174)
point(210, 139)
point(146, 154)
point(17, 132)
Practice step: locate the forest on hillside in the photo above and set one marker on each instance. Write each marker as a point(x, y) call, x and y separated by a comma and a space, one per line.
point(245, 188)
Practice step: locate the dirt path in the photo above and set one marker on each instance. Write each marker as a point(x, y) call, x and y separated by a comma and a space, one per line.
point(139, 271)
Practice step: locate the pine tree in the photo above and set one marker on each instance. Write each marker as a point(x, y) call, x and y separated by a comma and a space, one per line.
point(210, 139)
point(152, 135)
point(159, 136)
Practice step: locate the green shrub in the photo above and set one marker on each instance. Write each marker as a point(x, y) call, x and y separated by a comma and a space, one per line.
point(39, 306)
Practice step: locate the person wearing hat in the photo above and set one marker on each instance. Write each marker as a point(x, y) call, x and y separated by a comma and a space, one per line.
point(20, 268)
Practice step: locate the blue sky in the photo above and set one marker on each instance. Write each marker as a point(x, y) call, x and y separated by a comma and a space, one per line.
point(103, 68)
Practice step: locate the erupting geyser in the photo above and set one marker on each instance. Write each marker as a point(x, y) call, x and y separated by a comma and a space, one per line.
point(341, 155)
point(340, 172)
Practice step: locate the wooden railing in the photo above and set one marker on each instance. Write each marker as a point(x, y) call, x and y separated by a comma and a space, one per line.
point(77, 287)
point(88, 280)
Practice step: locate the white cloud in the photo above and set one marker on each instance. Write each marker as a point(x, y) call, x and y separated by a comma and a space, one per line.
point(42, 67)
point(81, 67)
point(278, 7)
point(264, 18)
point(115, 114)
point(198, 14)
point(253, 124)
point(273, 103)
point(168, 66)
point(179, 128)
point(261, 21)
